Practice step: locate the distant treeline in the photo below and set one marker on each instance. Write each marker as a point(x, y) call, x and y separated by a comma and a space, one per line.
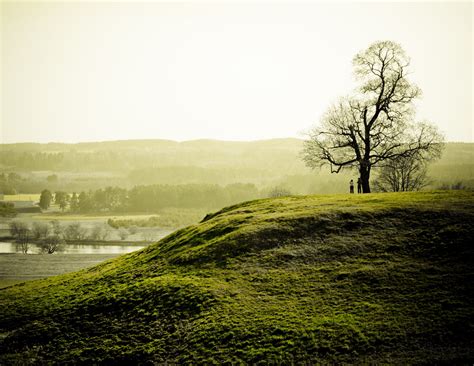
point(157, 197)
point(197, 174)
point(61, 161)
point(29, 168)
point(31, 161)
point(7, 209)
point(130, 155)
point(9, 182)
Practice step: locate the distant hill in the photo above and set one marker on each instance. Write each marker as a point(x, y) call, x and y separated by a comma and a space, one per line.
point(364, 279)
point(266, 163)
point(153, 145)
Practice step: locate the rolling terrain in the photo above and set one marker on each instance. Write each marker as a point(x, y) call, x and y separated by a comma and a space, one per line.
point(376, 278)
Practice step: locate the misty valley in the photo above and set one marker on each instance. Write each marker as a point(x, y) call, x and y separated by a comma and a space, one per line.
point(225, 183)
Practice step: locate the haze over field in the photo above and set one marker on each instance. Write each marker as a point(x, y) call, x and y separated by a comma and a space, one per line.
point(160, 204)
point(91, 71)
point(167, 193)
point(265, 164)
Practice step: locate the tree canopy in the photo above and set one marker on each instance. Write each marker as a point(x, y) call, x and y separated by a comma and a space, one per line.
point(376, 124)
point(45, 199)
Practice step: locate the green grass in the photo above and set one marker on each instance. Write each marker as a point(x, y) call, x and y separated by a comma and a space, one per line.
point(379, 278)
point(9, 282)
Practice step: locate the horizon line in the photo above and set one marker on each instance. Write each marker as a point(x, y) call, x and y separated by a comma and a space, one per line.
point(170, 140)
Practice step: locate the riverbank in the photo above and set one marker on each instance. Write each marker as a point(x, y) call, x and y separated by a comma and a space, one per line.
point(10, 239)
point(74, 255)
point(16, 267)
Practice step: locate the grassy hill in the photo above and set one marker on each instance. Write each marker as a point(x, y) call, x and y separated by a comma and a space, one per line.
point(330, 279)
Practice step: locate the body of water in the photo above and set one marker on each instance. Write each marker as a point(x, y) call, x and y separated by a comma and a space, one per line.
point(74, 249)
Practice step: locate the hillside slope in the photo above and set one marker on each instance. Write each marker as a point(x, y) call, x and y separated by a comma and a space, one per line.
point(328, 279)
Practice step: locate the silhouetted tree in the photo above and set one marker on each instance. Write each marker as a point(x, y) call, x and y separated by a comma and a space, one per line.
point(61, 199)
point(22, 233)
point(7, 209)
point(366, 130)
point(45, 199)
point(74, 231)
point(405, 173)
point(51, 244)
point(57, 228)
point(40, 230)
point(100, 232)
point(85, 202)
point(74, 203)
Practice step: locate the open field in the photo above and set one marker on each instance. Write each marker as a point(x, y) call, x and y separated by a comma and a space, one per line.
point(336, 279)
point(93, 217)
point(16, 268)
point(22, 197)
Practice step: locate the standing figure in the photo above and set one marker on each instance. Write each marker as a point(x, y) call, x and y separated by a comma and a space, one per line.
point(351, 186)
point(359, 185)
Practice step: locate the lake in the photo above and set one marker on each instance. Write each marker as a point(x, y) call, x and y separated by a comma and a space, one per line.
point(75, 249)
point(16, 267)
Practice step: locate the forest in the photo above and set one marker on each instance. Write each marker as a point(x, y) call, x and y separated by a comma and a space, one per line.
point(152, 198)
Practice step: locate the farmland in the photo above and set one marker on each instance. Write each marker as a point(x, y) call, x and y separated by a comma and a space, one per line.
point(22, 197)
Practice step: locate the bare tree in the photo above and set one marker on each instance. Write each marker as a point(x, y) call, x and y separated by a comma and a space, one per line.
point(57, 228)
point(100, 232)
point(40, 230)
point(123, 233)
point(74, 231)
point(23, 241)
point(15, 227)
point(22, 233)
point(51, 244)
point(376, 125)
point(405, 173)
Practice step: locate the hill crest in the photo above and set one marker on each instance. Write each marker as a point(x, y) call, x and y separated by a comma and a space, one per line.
point(318, 279)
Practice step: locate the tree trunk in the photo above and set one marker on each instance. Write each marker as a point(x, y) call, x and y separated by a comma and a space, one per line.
point(364, 171)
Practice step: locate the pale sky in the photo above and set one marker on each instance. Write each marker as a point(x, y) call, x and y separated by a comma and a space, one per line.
point(92, 71)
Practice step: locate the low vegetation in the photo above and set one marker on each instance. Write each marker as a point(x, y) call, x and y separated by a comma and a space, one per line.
point(375, 278)
point(7, 209)
point(168, 218)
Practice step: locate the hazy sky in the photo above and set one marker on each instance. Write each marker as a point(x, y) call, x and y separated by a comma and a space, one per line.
point(88, 71)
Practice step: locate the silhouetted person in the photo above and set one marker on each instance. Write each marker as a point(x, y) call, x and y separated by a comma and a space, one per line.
point(359, 186)
point(351, 186)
